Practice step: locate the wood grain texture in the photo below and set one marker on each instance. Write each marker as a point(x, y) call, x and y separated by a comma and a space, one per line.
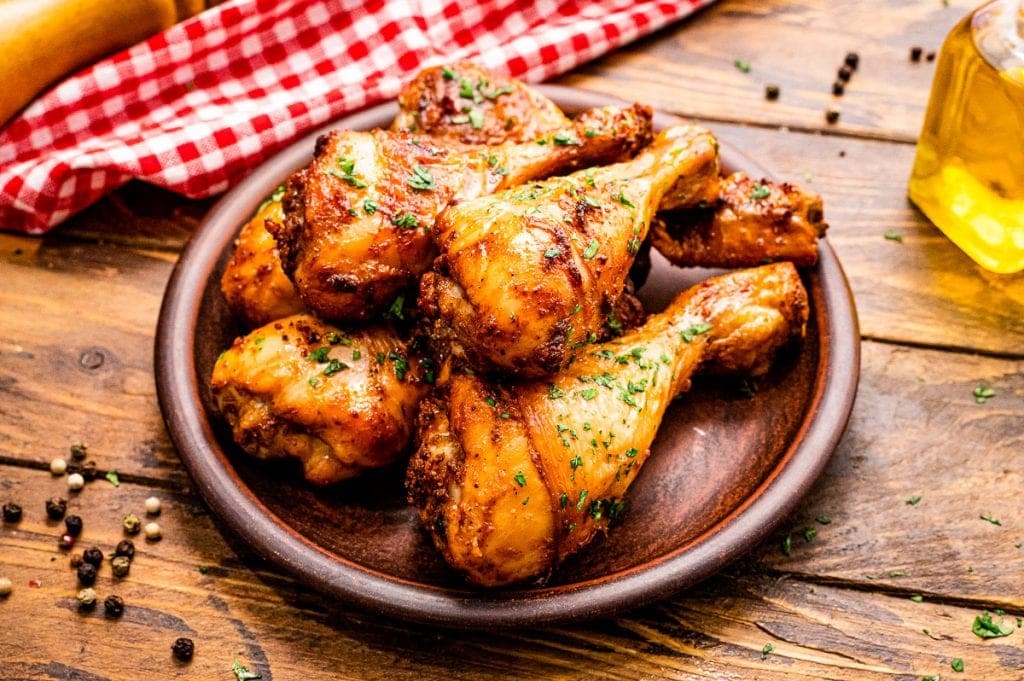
point(239, 609)
point(798, 45)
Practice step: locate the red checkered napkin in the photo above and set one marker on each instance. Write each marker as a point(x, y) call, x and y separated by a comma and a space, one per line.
point(196, 107)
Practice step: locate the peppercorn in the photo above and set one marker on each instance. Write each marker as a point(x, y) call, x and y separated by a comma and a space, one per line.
point(126, 548)
point(771, 91)
point(58, 466)
point(153, 506)
point(86, 574)
point(930, 56)
point(76, 482)
point(832, 114)
point(78, 451)
point(86, 599)
point(93, 556)
point(844, 73)
point(183, 649)
point(73, 523)
point(56, 508)
point(12, 512)
point(852, 60)
point(89, 471)
point(838, 88)
point(6, 586)
point(915, 53)
point(153, 532)
point(120, 566)
point(76, 560)
point(65, 542)
point(131, 524)
point(113, 606)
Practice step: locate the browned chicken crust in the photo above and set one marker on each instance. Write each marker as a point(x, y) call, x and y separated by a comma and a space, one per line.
point(752, 222)
point(338, 401)
point(527, 277)
point(469, 104)
point(253, 283)
point(357, 221)
point(512, 479)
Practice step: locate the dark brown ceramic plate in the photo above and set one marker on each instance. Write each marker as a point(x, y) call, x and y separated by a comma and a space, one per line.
point(726, 468)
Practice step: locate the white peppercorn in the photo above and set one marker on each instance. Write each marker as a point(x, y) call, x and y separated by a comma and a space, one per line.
point(58, 466)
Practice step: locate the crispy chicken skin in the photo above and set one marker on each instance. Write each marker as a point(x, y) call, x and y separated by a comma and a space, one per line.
point(357, 221)
point(526, 277)
point(468, 104)
point(511, 479)
point(338, 401)
point(253, 282)
point(752, 222)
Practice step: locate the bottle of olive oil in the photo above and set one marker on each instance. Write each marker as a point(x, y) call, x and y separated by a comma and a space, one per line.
point(968, 175)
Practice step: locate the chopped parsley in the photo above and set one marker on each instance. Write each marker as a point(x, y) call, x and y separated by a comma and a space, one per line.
point(396, 310)
point(810, 533)
point(591, 250)
point(983, 394)
point(767, 650)
point(990, 519)
point(319, 355)
point(273, 198)
point(632, 452)
point(369, 206)
point(621, 198)
point(787, 544)
point(742, 65)
point(696, 330)
point(357, 354)
point(407, 220)
point(760, 192)
point(555, 393)
point(401, 365)
point(591, 201)
point(520, 479)
point(590, 133)
point(823, 520)
point(914, 500)
point(985, 627)
point(448, 73)
point(566, 139)
point(589, 393)
point(333, 367)
point(917, 598)
point(421, 179)
point(112, 478)
point(476, 118)
point(563, 500)
point(465, 88)
point(582, 500)
point(893, 235)
point(552, 253)
point(242, 672)
point(957, 664)
point(346, 172)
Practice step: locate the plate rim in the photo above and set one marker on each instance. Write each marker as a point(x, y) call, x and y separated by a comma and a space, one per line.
point(189, 429)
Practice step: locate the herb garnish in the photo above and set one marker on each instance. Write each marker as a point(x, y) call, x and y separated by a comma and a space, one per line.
point(566, 139)
point(696, 330)
point(760, 192)
point(742, 65)
point(914, 500)
point(407, 220)
point(112, 478)
point(985, 627)
point(983, 394)
point(242, 672)
point(421, 179)
point(990, 519)
point(347, 172)
point(893, 235)
point(591, 250)
point(520, 479)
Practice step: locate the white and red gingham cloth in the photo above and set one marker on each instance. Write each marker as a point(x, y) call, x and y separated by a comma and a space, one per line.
point(195, 108)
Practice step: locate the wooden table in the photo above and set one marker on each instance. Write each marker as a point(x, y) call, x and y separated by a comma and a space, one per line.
point(76, 340)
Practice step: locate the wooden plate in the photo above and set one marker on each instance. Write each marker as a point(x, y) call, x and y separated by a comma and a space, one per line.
point(725, 470)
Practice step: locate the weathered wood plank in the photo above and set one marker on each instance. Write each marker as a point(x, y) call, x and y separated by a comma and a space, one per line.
point(76, 346)
point(241, 609)
point(689, 68)
point(917, 431)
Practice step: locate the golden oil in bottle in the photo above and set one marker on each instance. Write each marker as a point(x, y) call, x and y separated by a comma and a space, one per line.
point(968, 175)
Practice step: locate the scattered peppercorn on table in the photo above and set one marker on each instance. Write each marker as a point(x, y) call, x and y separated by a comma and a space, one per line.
point(904, 561)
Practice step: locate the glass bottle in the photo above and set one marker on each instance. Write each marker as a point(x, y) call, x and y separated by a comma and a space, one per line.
point(968, 175)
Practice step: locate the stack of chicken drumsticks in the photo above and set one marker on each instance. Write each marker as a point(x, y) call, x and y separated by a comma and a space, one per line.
point(461, 286)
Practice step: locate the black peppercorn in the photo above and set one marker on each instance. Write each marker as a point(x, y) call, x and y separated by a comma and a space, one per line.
point(852, 60)
point(844, 73)
point(89, 471)
point(56, 508)
point(78, 451)
point(771, 91)
point(86, 574)
point(65, 542)
point(930, 56)
point(832, 114)
point(93, 556)
point(183, 649)
point(73, 523)
point(125, 547)
point(12, 512)
point(76, 560)
point(113, 606)
point(838, 88)
point(915, 53)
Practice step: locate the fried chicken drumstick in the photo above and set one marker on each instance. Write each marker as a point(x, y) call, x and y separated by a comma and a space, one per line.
point(357, 221)
point(338, 401)
point(512, 479)
point(526, 277)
